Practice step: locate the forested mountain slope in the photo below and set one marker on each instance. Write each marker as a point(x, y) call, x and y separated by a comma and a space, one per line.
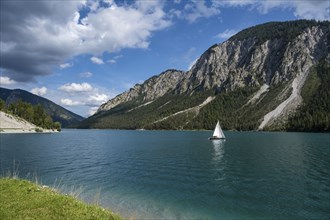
point(56, 112)
point(272, 76)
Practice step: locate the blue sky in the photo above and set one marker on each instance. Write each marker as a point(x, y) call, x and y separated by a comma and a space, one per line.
point(80, 54)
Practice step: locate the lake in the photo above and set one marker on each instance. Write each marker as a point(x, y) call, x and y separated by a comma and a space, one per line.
point(181, 174)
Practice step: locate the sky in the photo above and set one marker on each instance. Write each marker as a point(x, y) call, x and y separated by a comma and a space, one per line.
point(79, 54)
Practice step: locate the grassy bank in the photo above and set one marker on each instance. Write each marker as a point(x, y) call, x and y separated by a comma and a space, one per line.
point(22, 199)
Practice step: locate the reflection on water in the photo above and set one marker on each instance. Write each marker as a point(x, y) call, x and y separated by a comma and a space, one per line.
point(218, 162)
point(218, 146)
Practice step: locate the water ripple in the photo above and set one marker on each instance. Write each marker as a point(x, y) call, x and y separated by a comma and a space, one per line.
point(182, 175)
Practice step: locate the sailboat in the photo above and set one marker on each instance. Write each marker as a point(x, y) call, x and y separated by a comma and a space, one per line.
point(218, 133)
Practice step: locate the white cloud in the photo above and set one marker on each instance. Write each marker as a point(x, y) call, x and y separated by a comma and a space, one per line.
point(319, 10)
point(235, 3)
point(69, 102)
point(98, 98)
point(4, 80)
point(80, 97)
point(306, 9)
point(118, 57)
point(196, 9)
point(226, 34)
point(97, 60)
point(76, 87)
point(65, 65)
point(86, 74)
point(46, 34)
point(111, 29)
point(114, 60)
point(39, 91)
point(92, 110)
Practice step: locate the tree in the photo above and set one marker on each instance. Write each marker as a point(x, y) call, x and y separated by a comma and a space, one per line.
point(2, 105)
point(57, 126)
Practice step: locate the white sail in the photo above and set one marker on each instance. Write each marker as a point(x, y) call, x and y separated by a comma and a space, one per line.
point(222, 134)
point(218, 133)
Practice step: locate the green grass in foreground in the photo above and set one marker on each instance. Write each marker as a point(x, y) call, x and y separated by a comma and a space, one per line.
point(22, 199)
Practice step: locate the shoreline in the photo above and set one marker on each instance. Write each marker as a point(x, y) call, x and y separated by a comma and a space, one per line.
point(26, 131)
point(11, 124)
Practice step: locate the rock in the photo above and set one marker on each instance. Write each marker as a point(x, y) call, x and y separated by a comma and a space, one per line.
point(256, 57)
point(151, 89)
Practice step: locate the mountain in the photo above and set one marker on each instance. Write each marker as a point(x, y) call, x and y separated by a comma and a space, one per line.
point(273, 76)
point(57, 113)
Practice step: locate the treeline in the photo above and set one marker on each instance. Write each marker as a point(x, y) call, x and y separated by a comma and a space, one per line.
point(227, 107)
point(230, 108)
point(32, 113)
point(132, 115)
point(314, 114)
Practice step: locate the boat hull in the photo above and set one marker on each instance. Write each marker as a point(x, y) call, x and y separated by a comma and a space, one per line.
point(216, 138)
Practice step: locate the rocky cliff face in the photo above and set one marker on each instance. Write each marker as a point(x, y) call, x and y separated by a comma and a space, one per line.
point(239, 63)
point(151, 89)
point(255, 58)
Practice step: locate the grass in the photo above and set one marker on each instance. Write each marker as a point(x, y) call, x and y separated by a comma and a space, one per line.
point(22, 199)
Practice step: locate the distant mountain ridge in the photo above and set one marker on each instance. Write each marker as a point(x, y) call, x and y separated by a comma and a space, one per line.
point(57, 113)
point(252, 81)
point(151, 89)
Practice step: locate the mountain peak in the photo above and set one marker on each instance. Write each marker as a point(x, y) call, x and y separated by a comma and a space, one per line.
point(277, 55)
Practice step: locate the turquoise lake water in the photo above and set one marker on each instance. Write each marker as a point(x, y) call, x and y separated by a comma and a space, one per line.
point(181, 174)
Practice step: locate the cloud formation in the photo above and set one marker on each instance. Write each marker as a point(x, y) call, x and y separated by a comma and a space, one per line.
point(69, 102)
point(98, 99)
point(92, 96)
point(92, 110)
point(114, 60)
point(37, 37)
point(4, 80)
point(226, 34)
point(304, 9)
point(65, 65)
point(196, 9)
point(39, 91)
point(92, 99)
point(76, 87)
point(97, 60)
point(46, 34)
point(86, 74)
